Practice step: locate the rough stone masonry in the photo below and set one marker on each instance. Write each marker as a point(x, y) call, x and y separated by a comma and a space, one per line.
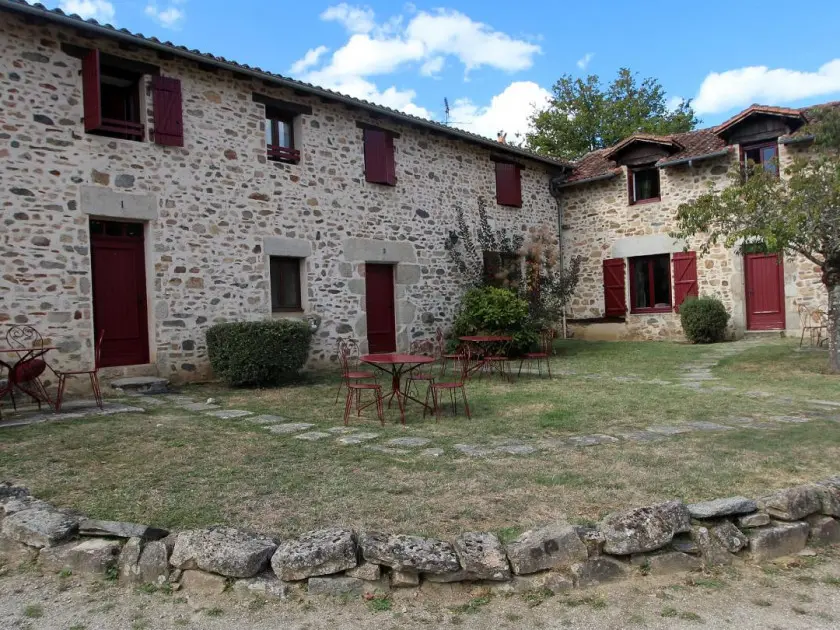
point(658, 539)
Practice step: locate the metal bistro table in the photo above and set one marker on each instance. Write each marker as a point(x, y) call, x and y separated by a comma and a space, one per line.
point(482, 344)
point(24, 374)
point(397, 365)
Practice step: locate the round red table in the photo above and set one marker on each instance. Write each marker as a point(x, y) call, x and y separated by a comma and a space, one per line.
point(396, 365)
point(483, 342)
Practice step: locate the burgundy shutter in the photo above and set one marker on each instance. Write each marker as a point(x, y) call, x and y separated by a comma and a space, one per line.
point(390, 165)
point(631, 196)
point(614, 303)
point(376, 156)
point(508, 185)
point(169, 119)
point(91, 91)
point(685, 277)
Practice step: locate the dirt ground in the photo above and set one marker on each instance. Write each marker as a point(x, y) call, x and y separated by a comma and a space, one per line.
point(802, 592)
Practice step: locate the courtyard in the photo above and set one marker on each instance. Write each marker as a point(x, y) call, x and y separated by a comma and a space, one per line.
point(620, 424)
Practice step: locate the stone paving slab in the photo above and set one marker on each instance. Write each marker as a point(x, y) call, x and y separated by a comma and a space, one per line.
point(515, 449)
point(199, 406)
point(387, 450)
point(266, 419)
point(357, 438)
point(473, 451)
point(342, 430)
point(290, 427)
point(229, 414)
point(312, 436)
point(641, 436)
point(592, 440)
point(701, 425)
point(789, 419)
point(824, 403)
point(408, 442)
point(668, 430)
point(431, 452)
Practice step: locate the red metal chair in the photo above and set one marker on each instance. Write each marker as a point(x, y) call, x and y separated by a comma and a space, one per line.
point(497, 363)
point(440, 351)
point(547, 338)
point(452, 387)
point(348, 355)
point(425, 347)
point(93, 374)
point(354, 391)
point(26, 374)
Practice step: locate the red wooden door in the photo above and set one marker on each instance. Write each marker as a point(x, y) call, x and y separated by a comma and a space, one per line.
point(379, 305)
point(765, 284)
point(119, 292)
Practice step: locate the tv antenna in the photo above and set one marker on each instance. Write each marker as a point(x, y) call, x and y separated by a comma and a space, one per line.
point(446, 114)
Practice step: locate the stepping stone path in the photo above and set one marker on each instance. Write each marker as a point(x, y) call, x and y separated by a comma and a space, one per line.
point(641, 436)
point(357, 438)
point(266, 419)
point(472, 451)
point(385, 449)
point(409, 442)
point(515, 449)
point(290, 427)
point(229, 414)
point(342, 430)
point(592, 440)
point(312, 436)
point(199, 407)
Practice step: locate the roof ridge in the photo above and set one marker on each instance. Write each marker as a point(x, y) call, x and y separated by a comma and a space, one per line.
point(22, 6)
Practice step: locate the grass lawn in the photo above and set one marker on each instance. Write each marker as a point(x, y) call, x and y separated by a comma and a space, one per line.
point(176, 468)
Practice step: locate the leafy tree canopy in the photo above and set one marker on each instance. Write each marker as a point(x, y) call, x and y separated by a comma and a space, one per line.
point(583, 115)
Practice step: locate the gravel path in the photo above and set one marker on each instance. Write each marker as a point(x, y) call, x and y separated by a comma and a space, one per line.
point(799, 593)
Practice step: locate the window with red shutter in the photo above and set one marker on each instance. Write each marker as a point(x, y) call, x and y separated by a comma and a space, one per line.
point(508, 184)
point(379, 157)
point(685, 277)
point(111, 99)
point(168, 111)
point(614, 303)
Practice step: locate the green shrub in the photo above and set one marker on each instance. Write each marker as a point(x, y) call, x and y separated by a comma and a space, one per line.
point(258, 353)
point(704, 319)
point(495, 311)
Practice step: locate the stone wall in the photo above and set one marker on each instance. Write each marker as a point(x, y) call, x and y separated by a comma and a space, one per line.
point(599, 223)
point(658, 539)
point(214, 209)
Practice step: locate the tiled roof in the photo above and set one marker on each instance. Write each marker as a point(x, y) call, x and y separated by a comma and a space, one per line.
point(644, 137)
point(696, 144)
point(106, 30)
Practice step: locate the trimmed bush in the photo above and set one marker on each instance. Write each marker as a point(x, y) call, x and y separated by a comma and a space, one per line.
point(258, 353)
point(704, 319)
point(495, 311)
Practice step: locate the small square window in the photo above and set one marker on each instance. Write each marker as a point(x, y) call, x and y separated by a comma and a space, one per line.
point(764, 155)
point(644, 185)
point(501, 269)
point(650, 283)
point(285, 283)
point(280, 136)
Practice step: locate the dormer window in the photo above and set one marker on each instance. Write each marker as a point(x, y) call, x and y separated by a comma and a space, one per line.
point(765, 155)
point(643, 184)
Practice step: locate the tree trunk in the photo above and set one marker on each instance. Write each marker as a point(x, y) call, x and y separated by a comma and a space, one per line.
point(833, 286)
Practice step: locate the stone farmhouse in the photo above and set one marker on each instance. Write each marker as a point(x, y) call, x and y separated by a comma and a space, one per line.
point(151, 191)
point(618, 207)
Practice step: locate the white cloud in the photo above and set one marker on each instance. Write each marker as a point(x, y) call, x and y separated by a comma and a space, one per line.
point(170, 17)
point(99, 10)
point(422, 43)
point(311, 58)
point(721, 91)
point(673, 102)
point(509, 111)
point(583, 62)
point(354, 19)
point(432, 67)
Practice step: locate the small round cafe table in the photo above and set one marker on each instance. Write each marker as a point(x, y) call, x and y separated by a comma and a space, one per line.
point(397, 365)
point(484, 343)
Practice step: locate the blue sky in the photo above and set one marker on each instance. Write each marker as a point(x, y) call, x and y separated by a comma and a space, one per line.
point(494, 61)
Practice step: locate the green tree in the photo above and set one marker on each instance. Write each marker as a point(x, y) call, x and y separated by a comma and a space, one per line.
point(798, 213)
point(583, 115)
